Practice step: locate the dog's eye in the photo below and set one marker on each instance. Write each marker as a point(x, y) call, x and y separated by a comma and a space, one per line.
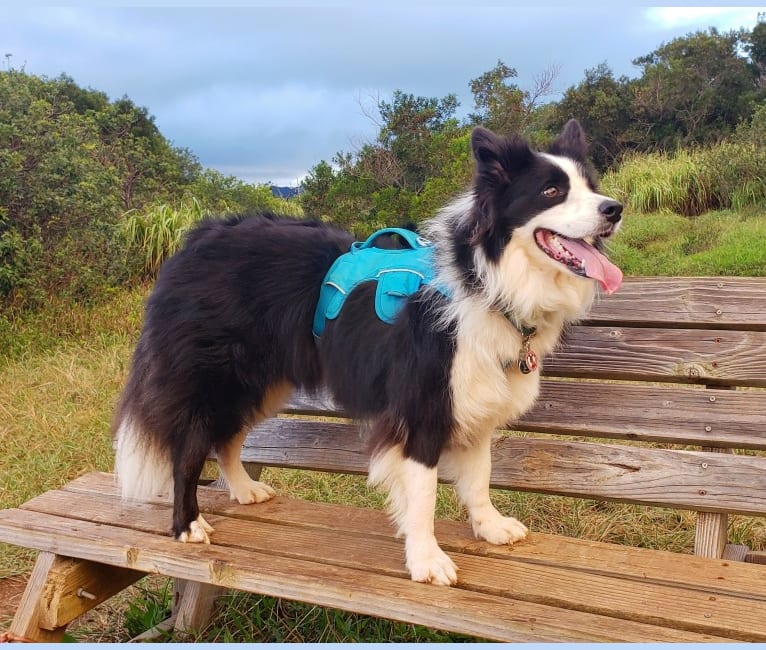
point(551, 192)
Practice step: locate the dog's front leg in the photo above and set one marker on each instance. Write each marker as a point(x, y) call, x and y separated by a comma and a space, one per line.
point(426, 562)
point(471, 468)
point(412, 501)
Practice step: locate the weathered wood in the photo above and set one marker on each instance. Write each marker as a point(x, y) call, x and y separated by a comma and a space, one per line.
point(485, 615)
point(26, 622)
point(710, 534)
point(710, 357)
point(692, 480)
point(756, 557)
point(311, 525)
point(735, 552)
point(712, 528)
point(711, 418)
point(727, 303)
point(76, 586)
point(197, 606)
point(683, 479)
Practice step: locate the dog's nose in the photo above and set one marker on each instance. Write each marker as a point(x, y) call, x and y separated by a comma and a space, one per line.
point(612, 210)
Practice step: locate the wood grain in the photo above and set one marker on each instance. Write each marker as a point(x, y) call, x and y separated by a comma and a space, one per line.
point(63, 602)
point(485, 615)
point(542, 584)
point(26, 622)
point(720, 302)
point(703, 356)
point(682, 479)
point(659, 567)
point(677, 414)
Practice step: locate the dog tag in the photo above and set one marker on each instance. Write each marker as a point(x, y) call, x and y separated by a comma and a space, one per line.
point(527, 361)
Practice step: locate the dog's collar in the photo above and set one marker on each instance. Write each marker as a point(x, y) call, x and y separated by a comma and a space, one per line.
point(526, 331)
point(527, 359)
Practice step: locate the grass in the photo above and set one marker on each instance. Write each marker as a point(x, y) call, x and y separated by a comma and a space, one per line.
point(61, 370)
point(715, 243)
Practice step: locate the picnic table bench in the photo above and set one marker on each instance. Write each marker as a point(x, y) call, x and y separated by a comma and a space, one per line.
point(675, 361)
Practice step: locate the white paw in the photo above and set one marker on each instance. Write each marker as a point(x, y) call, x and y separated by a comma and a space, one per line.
point(197, 533)
point(428, 563)
point(204, 525)
point(500, 530)
point(251, 492)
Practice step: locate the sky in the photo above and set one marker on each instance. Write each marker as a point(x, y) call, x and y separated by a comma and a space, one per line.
point(266, 91)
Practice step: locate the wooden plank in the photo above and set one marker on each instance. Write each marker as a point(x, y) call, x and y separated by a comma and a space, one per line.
point(541, 584)
point(756, 557)
point(677, 414)
point(454, 609)
point(77, 586)
point(26, 622)
point(729, 303)
point(660, 567)
point(735, 552)
point(197, 606)
point(692, 480)
point(710, 357)
point(660, 477)
point(712, 528)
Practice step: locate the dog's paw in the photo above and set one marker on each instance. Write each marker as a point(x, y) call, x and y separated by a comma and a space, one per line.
point(251, 492)
point(197, 533)
point(500, 530)
point(429, 563)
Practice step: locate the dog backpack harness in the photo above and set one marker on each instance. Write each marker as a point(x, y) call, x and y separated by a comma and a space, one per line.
point(399, 273)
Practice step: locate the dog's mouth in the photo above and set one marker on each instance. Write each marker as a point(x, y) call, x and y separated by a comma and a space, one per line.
point(580, 257)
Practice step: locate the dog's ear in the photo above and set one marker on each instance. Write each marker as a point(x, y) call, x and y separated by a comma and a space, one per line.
point(571, 142)
point(497, 160)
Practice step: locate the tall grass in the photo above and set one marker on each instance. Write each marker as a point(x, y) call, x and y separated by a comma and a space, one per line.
point(691, 182)
point(156, 233)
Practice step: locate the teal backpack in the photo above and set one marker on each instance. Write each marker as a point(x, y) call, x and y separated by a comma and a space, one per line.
point(399, 273)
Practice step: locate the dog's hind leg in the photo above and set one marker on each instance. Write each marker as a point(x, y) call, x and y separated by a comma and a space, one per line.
point(412, 501)
point(241, 487)
point(188, 523)
point(470, 467)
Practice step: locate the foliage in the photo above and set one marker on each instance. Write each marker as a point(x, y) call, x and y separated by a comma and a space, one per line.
point(148, 609)
point(603, 107)
point(693, 90)
point(80, 172)
point(156, 233)
point(692, 181)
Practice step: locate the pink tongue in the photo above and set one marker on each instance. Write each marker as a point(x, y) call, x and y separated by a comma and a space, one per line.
point(597, 266)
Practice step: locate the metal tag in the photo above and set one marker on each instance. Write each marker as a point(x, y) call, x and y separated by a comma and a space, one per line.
point(527, 361)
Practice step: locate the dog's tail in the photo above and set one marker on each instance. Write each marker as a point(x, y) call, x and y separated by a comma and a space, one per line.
point(144, 471)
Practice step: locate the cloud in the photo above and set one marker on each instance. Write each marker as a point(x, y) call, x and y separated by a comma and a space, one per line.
point(724, 18)
point(269, 91)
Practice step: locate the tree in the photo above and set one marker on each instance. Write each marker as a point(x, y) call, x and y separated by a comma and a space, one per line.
point(501, 105)
point(602, 104)
point(756, 48)
point(408, 125)
point(693, 90)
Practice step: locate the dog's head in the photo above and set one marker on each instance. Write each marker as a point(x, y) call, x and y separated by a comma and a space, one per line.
point(542, 205)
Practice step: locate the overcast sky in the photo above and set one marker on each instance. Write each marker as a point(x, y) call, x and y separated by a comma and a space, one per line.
point(265, 93)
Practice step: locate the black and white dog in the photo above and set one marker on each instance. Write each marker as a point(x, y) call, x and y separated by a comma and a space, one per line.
point(227, 336)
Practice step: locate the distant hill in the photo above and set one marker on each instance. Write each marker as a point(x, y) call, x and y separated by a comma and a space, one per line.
point(285, 192)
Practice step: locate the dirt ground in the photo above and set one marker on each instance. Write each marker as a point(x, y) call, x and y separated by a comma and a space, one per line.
point(10, 595)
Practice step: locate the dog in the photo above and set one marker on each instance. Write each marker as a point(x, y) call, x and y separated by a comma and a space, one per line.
point(227, 336)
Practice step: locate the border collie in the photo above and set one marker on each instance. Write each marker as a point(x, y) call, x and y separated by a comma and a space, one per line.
point(227, 336)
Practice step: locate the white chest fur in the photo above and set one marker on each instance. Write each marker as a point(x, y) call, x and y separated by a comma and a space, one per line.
point(485, 395)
